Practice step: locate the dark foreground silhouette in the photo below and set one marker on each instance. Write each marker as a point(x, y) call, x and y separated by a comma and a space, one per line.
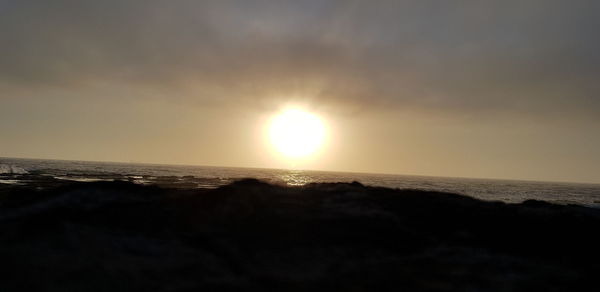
point(118, 236)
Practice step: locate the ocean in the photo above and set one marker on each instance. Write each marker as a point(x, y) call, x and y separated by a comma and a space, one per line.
point(15, 172)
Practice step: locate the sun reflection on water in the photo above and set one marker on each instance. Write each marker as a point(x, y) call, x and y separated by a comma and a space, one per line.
point(295, 178)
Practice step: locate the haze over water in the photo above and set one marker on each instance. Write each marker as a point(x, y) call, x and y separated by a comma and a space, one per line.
point(27, 171)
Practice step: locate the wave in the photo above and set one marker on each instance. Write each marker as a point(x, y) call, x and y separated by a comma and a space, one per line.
point(12, 169)
point(82, 179)
point(10, 181)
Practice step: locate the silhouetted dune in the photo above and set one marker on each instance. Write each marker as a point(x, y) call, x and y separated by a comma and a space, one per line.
point(250, 235)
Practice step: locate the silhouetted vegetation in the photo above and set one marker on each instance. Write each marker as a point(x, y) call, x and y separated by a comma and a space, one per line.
point(250, 235)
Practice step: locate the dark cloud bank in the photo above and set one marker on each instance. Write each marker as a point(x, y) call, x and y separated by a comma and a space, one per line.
point(539, 57)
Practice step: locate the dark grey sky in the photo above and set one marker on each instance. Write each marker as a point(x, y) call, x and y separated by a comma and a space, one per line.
point(523, 63)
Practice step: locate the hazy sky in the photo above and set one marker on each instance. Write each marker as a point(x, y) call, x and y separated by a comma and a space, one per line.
point(502, 89)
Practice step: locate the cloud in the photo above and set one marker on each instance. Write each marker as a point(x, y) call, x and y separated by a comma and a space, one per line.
point(539, 57)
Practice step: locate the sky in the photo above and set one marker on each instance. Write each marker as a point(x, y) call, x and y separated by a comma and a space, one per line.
point(495, 89)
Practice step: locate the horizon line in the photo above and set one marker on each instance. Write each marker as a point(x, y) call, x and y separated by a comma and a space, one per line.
point(315, 170)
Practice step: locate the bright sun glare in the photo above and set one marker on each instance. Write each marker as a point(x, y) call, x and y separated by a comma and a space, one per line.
point(296, 133)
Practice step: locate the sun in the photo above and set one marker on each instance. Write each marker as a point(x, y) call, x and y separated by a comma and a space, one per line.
point(296, 133)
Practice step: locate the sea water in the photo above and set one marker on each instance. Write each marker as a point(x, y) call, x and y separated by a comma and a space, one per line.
point(28, 171)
